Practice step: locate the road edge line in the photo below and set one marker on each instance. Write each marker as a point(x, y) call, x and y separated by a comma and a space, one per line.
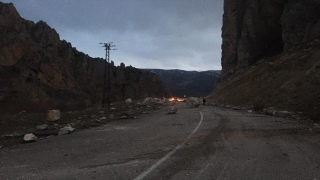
point(158, 163)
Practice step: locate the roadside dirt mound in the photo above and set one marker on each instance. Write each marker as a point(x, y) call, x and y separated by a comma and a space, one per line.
point(290, 81)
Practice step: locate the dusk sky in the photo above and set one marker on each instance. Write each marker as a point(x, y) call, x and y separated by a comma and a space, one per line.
point(163, 34)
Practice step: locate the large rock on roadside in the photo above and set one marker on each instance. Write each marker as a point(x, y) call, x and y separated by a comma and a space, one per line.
point(147, 101)
point(283, 114)
point(43, 127)
point(65, 130)
point(53, 115)
point(30, 137)
point(172, 110)
point(164, 101)
point(129, 101)
point(192, 102)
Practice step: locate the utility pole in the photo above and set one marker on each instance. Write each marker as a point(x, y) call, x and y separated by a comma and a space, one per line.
point(108, 47)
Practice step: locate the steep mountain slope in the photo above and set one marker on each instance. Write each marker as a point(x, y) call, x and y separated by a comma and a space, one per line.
point(39, 71)
point(188, 83)
point(270, 55)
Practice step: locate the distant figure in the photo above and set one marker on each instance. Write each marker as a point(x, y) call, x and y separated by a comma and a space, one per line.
point(204, 101)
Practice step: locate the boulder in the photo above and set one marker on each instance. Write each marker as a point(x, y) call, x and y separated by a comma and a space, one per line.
point(42, 127)
point(147, 100)
point(192, 102)
point(65, 130)
point(128, 101)
point(236, 107)
point(30, 137)
point(53, 115)
point(172, 110)
point(162, 101)
point(269, 111)
point(283, 114)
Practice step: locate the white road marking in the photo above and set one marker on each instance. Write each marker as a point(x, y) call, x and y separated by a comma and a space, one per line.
point(158, 163)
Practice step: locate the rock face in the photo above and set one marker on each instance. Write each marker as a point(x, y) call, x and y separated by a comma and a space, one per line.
point(254, 29)
point(270, 56)
point(38, 71)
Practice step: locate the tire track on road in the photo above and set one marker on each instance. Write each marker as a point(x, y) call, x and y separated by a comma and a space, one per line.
point(158, 163)
point(187, 156)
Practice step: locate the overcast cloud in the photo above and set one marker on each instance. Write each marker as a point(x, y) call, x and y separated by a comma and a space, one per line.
point(166, 34)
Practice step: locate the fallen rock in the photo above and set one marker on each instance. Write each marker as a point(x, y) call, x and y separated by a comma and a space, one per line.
point(22, 112)
point(42, 127)
point(283, 114)
point(15, 134)
point(236, 107)
point(53, 115)
point(128, 101)
point(65, 130)
point(193, 102)
point(103, 118)
point(147, 100)
point(269, 111)
point(228, 106)
point(172, 110)
point(165, 101)
point(30, 137)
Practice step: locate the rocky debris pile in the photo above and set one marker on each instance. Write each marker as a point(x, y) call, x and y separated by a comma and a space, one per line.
point(270, 111)
point(65, 122)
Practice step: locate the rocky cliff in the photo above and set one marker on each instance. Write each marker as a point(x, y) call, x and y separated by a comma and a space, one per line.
point(39, 71)
point(256, 29)
point(270, 55)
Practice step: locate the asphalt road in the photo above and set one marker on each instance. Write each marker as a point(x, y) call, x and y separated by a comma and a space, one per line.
point(201, 143)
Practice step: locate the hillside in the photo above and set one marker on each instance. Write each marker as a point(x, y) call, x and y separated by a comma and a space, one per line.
point(38, 71)
point(270, 55)
point(187, 83)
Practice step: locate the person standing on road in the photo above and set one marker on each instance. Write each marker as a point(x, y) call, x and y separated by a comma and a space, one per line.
point(204, 101)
